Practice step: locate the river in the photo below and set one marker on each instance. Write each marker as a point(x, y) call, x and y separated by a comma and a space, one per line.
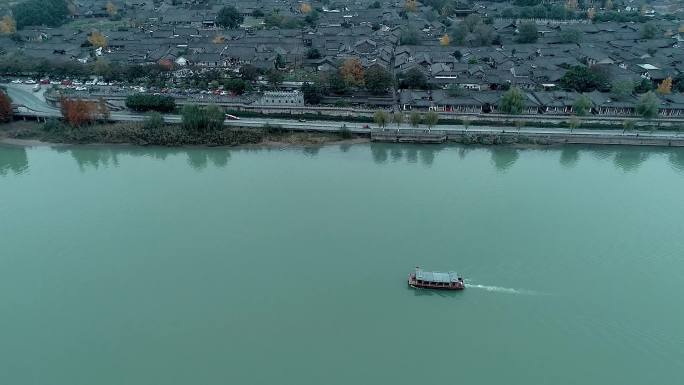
point(144, 266)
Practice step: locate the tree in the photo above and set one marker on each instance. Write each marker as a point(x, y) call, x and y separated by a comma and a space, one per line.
point(112, 10)
point(153, 121)
point(337, 83)
point(147, 102)
point(411, 6)
point(413, 78)
point(375, 5)
point(102, 109)
point(235, 85)
point(51, 13)
point(415, 118)
point(444, 40)
point(202, 119)
point(312, 93)
point(648, 31)
point(249, 72)
point(7, 25)
point(352, 72)
point(274, 77)
point(570, 36)
point(512, 101)
point(582, 105)
point(215, 117)
point(380, 117)
point(313, 53)
point(644, 86)
point(408, 36)
point(431, 119)
point(591, 13)
point(6, 111)
point(458, 34)
point(398, 118)
point(377, 80)
point(622, 90)
point(229, 17)
point(457, 55)
point(280, 62)
point(97, 39)
point(454, 90)
point(584, 79)
point(305, 8)
point(678, 83)
point(471, 21)
point(103, 68)
point(527, 33)
point(484, 35)
point(77, 112)
point(648, 105)
point(665, 87)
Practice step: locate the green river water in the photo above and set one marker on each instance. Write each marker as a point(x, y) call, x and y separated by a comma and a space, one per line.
point(144, 266)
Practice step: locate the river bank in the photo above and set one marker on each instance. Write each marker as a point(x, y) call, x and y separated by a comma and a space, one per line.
point(283, 135)
point(31, 133)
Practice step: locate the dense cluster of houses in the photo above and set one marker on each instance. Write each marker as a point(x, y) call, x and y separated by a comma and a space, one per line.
point(184, 34)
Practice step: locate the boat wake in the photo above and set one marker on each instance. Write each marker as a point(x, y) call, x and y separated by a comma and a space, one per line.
point(499, 289)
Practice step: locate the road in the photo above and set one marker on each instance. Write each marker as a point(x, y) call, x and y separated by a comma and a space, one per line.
point(23, 95)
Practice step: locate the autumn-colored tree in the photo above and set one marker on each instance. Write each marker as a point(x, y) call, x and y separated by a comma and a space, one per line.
point(665, 87)
point(411, 6)
point(591, 13)
point(571, 5)
point(78, 112)
point(681, 28)
point(8, 25)
point(97, 39)
point(218, 39)
point(112, 10)
point(608, 5)
point(305, 8)
point(102, 109)
point(444, 40)
point(5, 107)
point(352, 72)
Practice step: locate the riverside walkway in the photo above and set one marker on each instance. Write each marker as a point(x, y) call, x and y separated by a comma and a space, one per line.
point(33, 106)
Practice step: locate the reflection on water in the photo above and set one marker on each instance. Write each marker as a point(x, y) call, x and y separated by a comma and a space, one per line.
point(379, 151)
point(427, 155)
point(676, 159)
point(396, 153)
point(311, 151)
point(569, 156)
point(13, 159)
point(630, 158)
point(412, 154)
point(504, 157)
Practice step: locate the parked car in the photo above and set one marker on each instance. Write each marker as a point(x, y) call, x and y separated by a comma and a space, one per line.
point(44, 81)
point(366, 126)
point(16, 81)
point(232, 117)
point(29, 81)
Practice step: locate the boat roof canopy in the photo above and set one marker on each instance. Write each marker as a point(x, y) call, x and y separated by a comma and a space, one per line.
point(436, 276)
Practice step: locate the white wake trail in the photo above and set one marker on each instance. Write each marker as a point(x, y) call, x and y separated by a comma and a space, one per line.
point(499, 289)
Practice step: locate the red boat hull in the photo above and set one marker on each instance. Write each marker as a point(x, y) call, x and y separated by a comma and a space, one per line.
point(423, 285)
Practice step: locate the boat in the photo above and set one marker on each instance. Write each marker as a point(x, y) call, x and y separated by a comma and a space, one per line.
point(435, 280)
